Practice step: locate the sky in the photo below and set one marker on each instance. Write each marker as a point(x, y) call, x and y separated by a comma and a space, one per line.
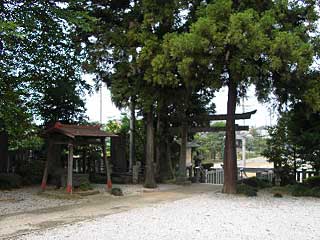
point(109, 110)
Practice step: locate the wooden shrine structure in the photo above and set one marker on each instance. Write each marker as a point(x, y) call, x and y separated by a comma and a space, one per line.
point(75, 135)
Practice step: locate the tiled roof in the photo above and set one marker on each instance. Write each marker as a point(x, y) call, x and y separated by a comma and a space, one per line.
point(78, 130)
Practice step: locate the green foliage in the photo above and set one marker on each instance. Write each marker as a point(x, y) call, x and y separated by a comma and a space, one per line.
point(277, 195)
point(312, 181)
point(116, 192)
point(299, 190)
point(247, 190)
point(123, 127)
point(41, 63)
point(255, 182)
point(28, 139)
point(85, 186)
point(315, 192)
point(31, 172)
point(211, 144)
point(281, 147)
point(9, 181)
point(256, 144)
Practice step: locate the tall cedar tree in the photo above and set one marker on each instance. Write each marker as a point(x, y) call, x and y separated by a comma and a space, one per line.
point(238, 43)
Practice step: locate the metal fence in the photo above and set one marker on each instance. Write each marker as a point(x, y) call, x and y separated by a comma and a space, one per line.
point(215, 176)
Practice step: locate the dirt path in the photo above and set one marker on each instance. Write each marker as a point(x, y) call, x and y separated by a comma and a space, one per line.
point(12, 226)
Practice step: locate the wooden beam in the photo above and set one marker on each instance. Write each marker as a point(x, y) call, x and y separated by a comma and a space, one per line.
point(209, 129)
point(217, 117)
point(216, 129)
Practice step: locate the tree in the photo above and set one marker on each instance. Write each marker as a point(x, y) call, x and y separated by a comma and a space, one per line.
point(41, 59)
point(123, 54)
point(282, 150)
point(238, 43)
point(211, 144)
point(305, 127)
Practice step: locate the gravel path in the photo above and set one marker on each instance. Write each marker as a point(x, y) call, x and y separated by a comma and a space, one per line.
point(27, 199)
point(206, 216)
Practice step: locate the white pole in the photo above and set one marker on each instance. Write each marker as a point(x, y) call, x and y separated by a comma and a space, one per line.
point(101, 104)
point(244, 151)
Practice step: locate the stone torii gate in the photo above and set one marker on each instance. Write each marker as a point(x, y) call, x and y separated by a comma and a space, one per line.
point(185, 130)
point(75, 135)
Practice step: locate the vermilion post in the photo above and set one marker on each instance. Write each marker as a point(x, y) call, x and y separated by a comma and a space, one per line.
point(104, 157)
point(70, 168)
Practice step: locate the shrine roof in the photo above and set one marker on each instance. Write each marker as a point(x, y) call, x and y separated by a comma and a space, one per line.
point(73, 131)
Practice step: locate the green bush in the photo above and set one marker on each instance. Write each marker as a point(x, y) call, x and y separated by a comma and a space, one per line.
point(116, 192)
point(85, 186)
point(9, 181)
point(315, 192)
point(247, 190)
point(31, 172)
point(255, 182)
point(299, 190)
point(277, 195)
point(312, 181)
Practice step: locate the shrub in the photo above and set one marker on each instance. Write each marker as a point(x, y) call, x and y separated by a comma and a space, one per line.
point(315, 192)
point(255, 182)
point(277, 195)
point(312, 181)
point(31, 172)
point(85, 186)
point(300, 190)
point(116, 192)
point(9, 181)
point(247, 190)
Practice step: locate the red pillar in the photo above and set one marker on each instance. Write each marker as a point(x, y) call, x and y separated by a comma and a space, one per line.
point(104, 157)
point(70, 168)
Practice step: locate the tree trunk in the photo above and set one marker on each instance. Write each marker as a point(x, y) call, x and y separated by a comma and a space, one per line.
point(132, 154)
point(4, 150)
point(183, 153)
point(159, 146)
point(168, 159)
point(164, 168)
point(149, 168)
point(230, 156)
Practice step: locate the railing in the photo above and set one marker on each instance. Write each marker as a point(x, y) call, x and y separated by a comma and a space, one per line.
point(215, 176)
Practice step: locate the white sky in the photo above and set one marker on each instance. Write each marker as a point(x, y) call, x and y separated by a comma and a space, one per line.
point(109, 111)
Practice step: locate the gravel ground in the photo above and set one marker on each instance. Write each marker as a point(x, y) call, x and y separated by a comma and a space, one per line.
point(27, 199)
point(131, 189)
point(206, 216)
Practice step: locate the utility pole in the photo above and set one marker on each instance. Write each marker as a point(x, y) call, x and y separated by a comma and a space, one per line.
point(132, 159)
point(101, 103)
